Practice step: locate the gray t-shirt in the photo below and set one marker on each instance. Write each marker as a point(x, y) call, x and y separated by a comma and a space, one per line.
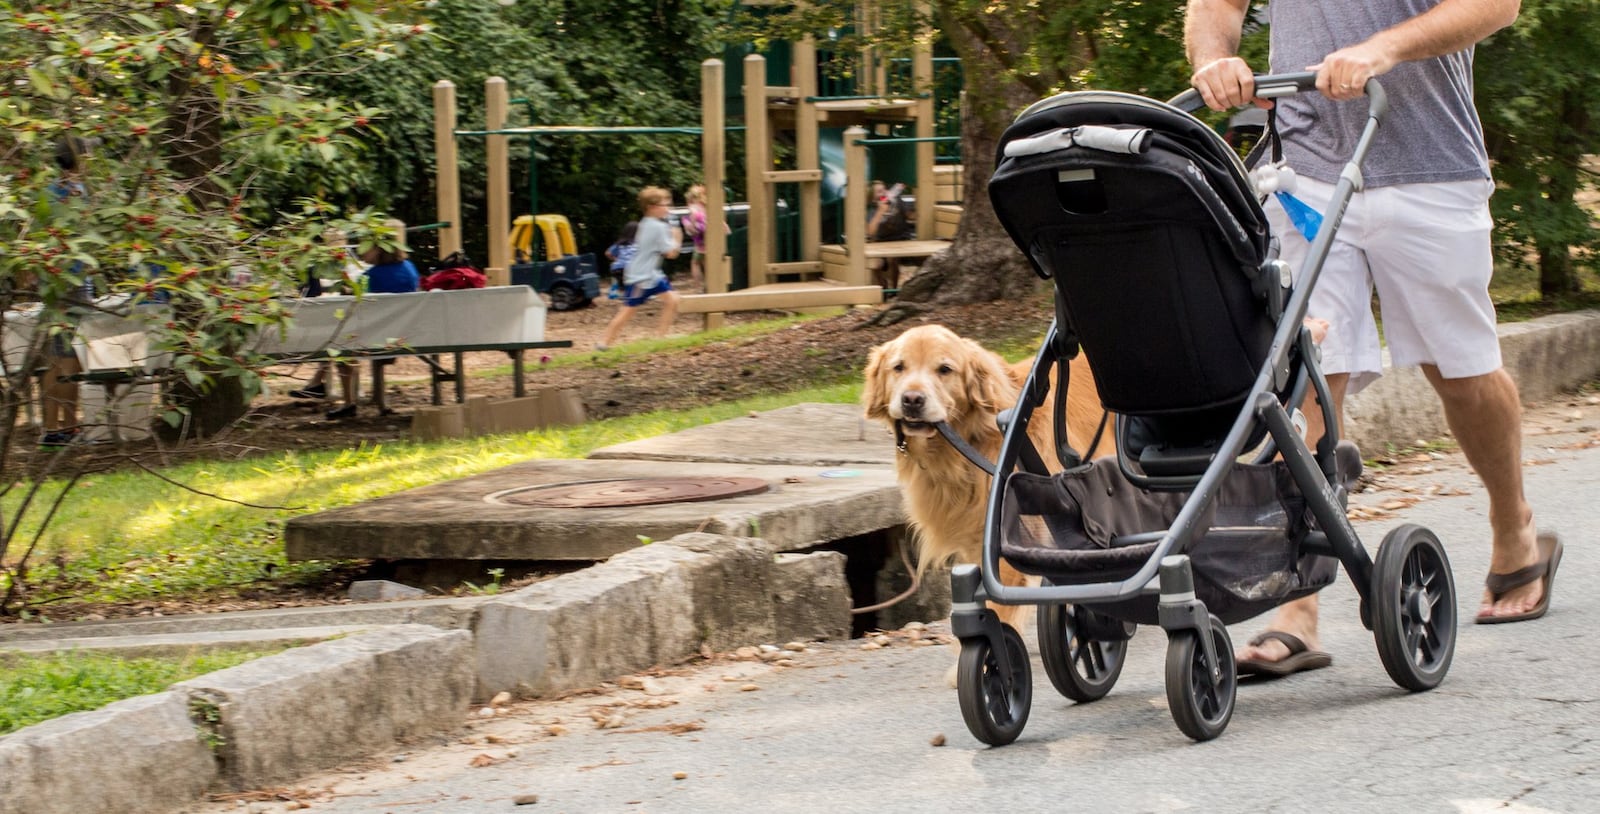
point(654, 239)
point(1431, 132)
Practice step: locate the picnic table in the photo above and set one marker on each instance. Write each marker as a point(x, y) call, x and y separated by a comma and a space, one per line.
point(115, 350)
point(426, 324)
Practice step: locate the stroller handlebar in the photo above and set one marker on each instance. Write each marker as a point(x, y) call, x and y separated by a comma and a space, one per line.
point(1271, 86)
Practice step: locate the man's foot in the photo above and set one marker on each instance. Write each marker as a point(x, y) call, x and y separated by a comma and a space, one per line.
point(1292, 633)
point(1522, 594)
point(347, 411)
point(315, 391)
point(1277, 654)
point(57, 438)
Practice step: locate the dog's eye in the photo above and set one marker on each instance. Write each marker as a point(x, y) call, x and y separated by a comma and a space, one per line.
point(899, 367)
point(946, 369)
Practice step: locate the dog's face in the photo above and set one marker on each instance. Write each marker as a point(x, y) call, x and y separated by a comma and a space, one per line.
point(929, 374)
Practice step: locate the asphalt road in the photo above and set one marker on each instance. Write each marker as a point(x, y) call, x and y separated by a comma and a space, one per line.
point(1515, 727)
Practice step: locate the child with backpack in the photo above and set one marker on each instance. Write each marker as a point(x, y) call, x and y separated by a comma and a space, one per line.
point(620, 253)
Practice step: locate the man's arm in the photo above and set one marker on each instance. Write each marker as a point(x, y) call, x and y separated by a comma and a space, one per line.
point(1444, 29)
point(1211, 39)
point(879, 213)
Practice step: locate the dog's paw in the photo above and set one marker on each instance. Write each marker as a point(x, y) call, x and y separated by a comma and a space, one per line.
point(951, 676)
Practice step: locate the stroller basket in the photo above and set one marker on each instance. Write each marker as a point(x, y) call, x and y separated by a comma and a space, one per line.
point(1091, 524)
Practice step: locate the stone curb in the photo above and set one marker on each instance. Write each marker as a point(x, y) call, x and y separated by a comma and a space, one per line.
point(284, 716)
point(1545, 356)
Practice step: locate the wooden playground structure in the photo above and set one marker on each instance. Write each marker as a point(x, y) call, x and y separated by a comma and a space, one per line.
point(825, 274)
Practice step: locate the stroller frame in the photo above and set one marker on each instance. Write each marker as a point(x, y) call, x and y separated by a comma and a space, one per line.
point(1407, 594)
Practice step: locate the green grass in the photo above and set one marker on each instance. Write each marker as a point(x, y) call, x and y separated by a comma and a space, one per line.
point(38, 688)
point(125, 535)
point(1515, 292)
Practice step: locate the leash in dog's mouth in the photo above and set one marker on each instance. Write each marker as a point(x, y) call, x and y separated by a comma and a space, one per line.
point(950, 435)
point(900, 426)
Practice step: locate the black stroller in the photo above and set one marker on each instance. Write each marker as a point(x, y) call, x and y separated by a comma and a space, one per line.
point(1214, 509)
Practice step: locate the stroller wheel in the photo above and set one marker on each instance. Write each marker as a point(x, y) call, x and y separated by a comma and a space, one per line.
point(1200, 707)
point(994, 705)
point(1082, 667)
point(1414, 608)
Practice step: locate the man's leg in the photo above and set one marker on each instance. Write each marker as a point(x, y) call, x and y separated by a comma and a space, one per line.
point(1485, 413)
point(1299, 618)
point(59, 394)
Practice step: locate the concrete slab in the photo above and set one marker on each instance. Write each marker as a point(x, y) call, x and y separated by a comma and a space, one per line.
point(479, 518)
point(178, 644)
point(802, 435)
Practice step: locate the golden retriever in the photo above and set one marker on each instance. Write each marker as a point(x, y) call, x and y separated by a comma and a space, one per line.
point(930, 374)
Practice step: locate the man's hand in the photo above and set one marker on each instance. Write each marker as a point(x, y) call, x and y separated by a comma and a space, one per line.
point(1226, 83)
point(1343, 74)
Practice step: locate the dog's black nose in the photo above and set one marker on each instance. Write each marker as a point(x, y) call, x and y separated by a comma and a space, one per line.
point(912, 403)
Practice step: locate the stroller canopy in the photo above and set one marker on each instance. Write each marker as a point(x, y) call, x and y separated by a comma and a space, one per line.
point(1145, 219)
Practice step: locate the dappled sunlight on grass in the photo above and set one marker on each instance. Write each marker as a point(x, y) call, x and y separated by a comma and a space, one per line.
point(128, 534)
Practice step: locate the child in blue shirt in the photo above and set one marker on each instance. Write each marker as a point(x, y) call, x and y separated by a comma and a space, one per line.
point(642, 278)
point(390, 273)
point(621, 254)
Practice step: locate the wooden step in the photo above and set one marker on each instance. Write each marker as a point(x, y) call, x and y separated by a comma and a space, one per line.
point(781, 296)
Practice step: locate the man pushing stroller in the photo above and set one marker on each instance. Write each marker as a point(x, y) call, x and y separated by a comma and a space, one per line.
point(1419, 231)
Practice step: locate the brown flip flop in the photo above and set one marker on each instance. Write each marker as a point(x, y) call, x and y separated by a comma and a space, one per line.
point(1545, 569)
point(1300, 658)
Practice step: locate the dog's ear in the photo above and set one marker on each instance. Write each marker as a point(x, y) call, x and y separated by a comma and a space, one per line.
point(989, 385)
point(875, 389)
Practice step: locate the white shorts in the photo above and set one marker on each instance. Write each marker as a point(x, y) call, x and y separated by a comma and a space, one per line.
point(1426, 247)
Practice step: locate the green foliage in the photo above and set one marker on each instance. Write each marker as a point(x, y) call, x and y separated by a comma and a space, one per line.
point(575, 62)
point(1538, 87)
point(490, 588)
point(168, 119)
point(38, 688)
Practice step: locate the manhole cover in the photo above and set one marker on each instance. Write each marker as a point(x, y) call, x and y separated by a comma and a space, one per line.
point(629, 492)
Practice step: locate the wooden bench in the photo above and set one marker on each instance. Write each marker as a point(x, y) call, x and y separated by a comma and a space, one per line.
point(781, 297)
point(836, 258)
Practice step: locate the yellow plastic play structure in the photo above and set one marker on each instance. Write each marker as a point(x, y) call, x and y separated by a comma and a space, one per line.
point(556, 234)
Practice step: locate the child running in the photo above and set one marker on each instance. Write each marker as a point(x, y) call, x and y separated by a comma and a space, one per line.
point(643, 277)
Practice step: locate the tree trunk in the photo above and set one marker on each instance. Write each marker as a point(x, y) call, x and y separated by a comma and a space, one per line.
point(1557, 275)
point(982, 264)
